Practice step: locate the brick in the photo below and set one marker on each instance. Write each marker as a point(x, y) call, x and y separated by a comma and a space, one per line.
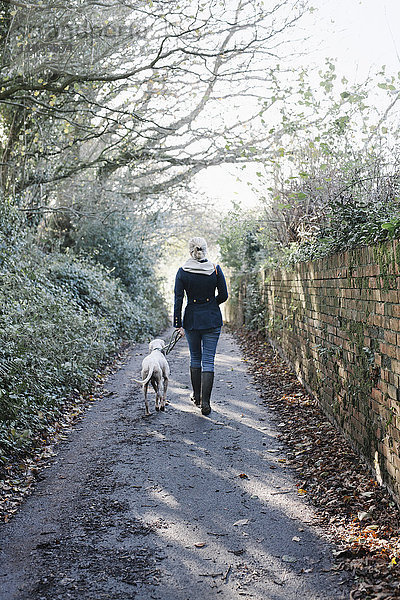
point(392, 391)
point(395, 366)
point(389, 350)
point(392, 471)
point(394, 324)
point(376, 295)
point(377, 395)
point(331, 293)
point(395, 461)
point(391, 296)
point(378, 320)
point(391, 337)
point(372, 283)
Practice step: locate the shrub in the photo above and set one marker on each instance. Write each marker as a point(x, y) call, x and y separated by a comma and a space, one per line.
point(60, 318)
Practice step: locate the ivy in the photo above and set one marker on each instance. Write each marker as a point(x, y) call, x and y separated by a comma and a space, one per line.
point(61, 318)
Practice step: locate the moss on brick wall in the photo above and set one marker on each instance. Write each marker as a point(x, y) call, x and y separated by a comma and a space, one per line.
point(337, 321)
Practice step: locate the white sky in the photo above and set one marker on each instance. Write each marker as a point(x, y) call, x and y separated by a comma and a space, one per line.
point(363, 35)
point(360, 33)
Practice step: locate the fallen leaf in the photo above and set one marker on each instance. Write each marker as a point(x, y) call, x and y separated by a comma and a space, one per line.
point(367, 494)
point(200, 544)
point(67, 580)
point(241, 522)
point(336, 481)
point(295, 538)
point(289, 559)
point(243, 476)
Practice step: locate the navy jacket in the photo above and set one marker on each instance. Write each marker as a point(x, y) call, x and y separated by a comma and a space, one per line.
point(202, 310)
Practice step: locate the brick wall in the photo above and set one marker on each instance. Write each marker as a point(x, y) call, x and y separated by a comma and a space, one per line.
point(337, 321)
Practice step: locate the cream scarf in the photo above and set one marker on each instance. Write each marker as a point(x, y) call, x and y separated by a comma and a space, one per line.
point(194, 266)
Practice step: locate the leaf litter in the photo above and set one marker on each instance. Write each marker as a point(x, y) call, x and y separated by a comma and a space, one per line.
point(19, 471)
point(357, 514)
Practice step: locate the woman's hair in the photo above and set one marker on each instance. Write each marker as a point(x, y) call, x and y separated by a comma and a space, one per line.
point(197, 248)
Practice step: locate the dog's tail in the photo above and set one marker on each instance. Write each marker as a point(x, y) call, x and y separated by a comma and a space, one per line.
point(149, 375)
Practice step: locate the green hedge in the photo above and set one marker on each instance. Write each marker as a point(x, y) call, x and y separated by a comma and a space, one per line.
point(60, 319)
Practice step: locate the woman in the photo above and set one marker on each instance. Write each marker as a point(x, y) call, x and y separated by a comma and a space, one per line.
point(202, 320)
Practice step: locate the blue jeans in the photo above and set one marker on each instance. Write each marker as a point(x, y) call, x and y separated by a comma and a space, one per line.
point(202, 346)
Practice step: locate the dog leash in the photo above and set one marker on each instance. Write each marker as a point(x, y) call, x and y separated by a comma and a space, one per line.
point(173, 341)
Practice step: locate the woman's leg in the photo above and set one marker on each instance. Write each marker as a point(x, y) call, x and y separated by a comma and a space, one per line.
point(209, 342)
point(194, 341)
point(193, 337)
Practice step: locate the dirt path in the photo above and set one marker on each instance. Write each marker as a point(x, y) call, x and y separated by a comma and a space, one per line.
point(173, 507)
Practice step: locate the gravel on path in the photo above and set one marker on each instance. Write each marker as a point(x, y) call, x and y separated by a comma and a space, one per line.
point(176, 506)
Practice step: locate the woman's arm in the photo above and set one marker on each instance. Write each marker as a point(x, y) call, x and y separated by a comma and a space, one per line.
point(179, 293)
point(221, 287)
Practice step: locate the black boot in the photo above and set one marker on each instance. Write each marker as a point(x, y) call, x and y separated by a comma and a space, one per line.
point(195, 376)
point(207, 380)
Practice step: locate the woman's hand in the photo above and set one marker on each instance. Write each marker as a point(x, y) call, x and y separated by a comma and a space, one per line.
point(181, 331)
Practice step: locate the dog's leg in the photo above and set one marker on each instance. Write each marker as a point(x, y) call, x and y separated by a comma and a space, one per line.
point(155, 385)
point(164, 396)
point(145, 388)
point(158, 396)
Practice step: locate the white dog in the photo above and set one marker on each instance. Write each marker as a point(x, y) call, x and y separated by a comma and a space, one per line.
point(154, 369)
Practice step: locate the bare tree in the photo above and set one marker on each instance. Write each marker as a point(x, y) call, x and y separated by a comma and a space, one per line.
point(146, 92)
